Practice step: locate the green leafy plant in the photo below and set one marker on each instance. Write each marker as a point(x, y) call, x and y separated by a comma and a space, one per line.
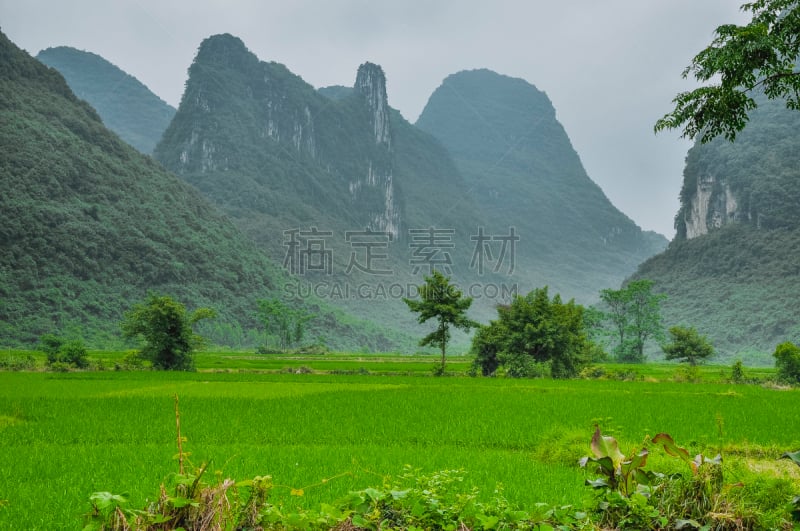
point(193, 503)
point(18, 363)
point(63, 353)
point(438, 501)
point(131, 361)
point(795, 504)
point(620, 473)
point(74, 353)
point(50, 344)
point(631, 497)
point(687, 373)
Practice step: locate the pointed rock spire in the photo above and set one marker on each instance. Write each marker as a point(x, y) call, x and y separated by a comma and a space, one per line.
point(371, 83)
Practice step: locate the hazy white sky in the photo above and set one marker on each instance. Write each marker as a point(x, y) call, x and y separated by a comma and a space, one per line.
point(610, 67)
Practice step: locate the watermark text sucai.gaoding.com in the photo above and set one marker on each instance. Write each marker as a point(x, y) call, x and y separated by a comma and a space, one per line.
point(336, 290)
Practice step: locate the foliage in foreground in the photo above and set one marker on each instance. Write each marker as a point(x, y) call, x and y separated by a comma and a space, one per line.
point(630, 496)
point(414, 502)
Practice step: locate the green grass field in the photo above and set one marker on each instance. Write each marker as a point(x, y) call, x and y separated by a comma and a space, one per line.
point(65, 435)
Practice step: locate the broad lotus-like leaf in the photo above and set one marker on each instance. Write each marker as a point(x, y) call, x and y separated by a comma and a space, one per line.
point(638, 478)
point(598, 483)
point(646, 477)
point(604, 465)
point(606, 446)
point(669, 446)
point(637, 461)
point(630, 472)
point(106, 500)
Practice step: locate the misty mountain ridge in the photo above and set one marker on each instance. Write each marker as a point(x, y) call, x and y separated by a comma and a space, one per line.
point(126, 106)
point(523, 171)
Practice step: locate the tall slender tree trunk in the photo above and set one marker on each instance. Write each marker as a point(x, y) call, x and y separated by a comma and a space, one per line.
point(444, 342)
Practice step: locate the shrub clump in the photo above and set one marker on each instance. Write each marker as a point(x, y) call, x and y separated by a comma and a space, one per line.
point(18, 363)
point(787, 361)
point(63, 354)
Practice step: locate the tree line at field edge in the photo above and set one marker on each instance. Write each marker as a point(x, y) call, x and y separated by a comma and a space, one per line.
point(534, 335)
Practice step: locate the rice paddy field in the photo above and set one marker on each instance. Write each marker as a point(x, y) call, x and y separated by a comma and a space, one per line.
point(331, 424)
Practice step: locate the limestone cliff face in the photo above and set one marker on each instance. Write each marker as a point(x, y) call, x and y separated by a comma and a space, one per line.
point(752, 181)
point(371, 84)
point(258, 87)
point(256, 137)
point(374, 190)
point(712, 206)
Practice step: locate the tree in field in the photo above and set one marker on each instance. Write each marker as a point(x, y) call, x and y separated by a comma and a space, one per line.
point(531, 332)
point(594, 323)
point(440, 300)
point(687, 345)
point(283, 322)
point(635, 313)
point(618, 304)
point(787, 361)
point(486, 347)
point(166, 328)
point(646, 315)
point(741, 60)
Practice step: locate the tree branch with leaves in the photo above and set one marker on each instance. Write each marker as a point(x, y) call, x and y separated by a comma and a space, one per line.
point(760, 56)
